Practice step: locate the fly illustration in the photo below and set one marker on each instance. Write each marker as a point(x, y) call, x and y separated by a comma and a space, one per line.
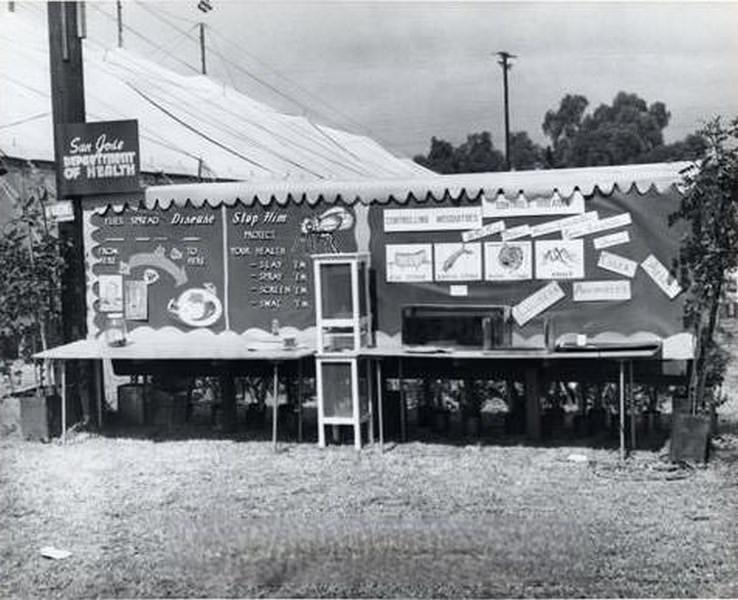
point(449, 263)
point(317, 232)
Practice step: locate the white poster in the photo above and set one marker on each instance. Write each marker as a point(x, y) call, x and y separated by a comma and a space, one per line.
point(617, 264)
point(458, 262)
point(525, 207)
point(588, 227)
point(111, 293)
point(560, 259)
point(597, 291)
point(432, 219)
point(537, 302)
point(661, 276)
point(508, 261)
point(487, 230)
point(409, 262)
point(614, 239)
point(515, 232)
point(559, 224)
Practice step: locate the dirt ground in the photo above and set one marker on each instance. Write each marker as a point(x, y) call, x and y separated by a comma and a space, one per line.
point(220, 518)
point(224, 518)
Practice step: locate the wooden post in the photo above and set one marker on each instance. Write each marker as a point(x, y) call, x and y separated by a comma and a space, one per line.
point(299, 400)
point(380, 405)
point(370, 399)
point(98, 382)
point(532, 403)
point(275, 409)
point(356, 405)
point(63, 403)
point(403, 416)
point(631, 401)
point(319, 385)
point(622, 410)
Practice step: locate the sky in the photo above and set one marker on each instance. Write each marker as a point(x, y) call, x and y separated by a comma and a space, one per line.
point(402, 72)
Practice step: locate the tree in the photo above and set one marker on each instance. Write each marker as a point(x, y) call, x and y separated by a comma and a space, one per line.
point(709, 249)
point(478, 154)
point(628, 131)
point(30, 269)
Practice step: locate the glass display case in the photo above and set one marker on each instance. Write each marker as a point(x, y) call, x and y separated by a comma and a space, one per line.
point(343, 328)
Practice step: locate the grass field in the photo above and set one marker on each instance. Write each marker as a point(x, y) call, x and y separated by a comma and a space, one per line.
point(222, 518)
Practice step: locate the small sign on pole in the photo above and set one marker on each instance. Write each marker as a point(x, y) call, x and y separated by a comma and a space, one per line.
point(60, 212)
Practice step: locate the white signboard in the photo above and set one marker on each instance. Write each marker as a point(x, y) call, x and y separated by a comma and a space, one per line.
point(524, 207)
point(560, 259)
point(60, 211)
point(409, 262)
point(597, 291)
point(620, 220)
point(559, 224)
point(614, 239)
point(458, 262)
point(508, 261)
point(617, 264)
point(660, 274)
point(516, 232)
point(537, 302)
point(432, 219)
point(489, 229)
point(459, 290)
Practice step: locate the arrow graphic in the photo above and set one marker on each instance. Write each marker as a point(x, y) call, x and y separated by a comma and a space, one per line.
point(154, 259)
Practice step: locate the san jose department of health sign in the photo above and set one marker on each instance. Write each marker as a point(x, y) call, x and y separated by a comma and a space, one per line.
point(99, 158)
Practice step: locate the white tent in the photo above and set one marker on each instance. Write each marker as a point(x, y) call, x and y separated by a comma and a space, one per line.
point(188, 125)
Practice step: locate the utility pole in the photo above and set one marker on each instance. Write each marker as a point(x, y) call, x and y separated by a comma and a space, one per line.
point(504, 62)
point(68, 106)
point(202, 49)
point(119, 11)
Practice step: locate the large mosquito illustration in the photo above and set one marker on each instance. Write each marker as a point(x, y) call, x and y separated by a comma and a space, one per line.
point(317, 231)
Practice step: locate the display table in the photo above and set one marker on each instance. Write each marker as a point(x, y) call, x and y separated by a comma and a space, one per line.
point(531, 360)
point(158, 350)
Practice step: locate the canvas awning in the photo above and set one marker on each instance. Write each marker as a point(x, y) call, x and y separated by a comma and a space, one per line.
point(532, 184)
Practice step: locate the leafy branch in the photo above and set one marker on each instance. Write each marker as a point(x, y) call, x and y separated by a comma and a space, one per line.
point(709, 249)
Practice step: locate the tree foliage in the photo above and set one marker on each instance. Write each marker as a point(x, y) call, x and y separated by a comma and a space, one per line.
point(628, 131)
point(30, 271)
point(478, 154)
point(709, 249)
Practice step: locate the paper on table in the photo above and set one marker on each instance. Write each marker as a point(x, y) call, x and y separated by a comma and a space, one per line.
point(537, 302)
point(661, 276)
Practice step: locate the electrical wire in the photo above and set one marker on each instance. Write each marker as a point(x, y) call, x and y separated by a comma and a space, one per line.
point(146, 39)
point(26, 120)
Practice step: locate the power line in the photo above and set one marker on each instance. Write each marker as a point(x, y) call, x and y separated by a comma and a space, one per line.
point(145, 39)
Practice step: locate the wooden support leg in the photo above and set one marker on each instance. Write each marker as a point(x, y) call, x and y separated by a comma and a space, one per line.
point(299, 400)
point(98, 383)
point(63, 403)
point(370, 400)
point(319, 385)
point(621, 388)
point(403, 415)
point(631, 401)
point(532, 403)
point(275, 406)
point(380, 405)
